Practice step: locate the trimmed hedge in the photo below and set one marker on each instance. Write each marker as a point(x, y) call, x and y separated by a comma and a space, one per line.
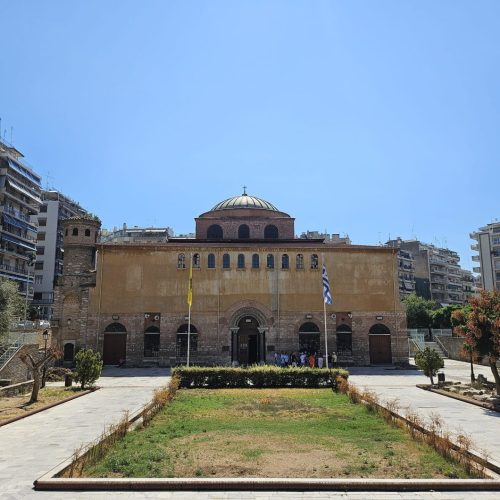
point(257, 377)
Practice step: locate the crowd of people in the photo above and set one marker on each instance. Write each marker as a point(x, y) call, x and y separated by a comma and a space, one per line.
point(306, 359)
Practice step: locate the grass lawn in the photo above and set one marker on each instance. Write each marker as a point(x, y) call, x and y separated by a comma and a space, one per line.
point(16, 406)
point(270, 433)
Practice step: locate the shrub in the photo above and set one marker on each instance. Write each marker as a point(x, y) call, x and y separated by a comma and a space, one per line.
point(88, 367)
point(257, 377)
point(429, 361)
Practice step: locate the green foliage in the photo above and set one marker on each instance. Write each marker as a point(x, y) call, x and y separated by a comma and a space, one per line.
point(88, 367)
point(429, 361)
point(419, 311)
point(9, 304)
point(257, 376)
point(442, 317)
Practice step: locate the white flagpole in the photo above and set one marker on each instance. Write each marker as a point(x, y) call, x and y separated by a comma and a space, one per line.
point(326, 335)
point(324, 313)
point(189, 312)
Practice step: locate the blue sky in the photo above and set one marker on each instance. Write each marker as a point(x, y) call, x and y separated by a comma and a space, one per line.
point(360, 117)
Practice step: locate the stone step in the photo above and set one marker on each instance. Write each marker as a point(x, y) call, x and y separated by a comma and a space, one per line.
point(436, 347)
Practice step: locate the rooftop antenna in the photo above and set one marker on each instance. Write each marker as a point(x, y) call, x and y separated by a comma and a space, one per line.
point(48, 176)
point(11, 131)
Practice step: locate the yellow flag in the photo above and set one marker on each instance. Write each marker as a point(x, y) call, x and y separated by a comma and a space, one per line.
point(190, 289)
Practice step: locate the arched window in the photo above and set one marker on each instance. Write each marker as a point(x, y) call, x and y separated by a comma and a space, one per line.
point(271, 232)
point(226, 261)
point(241, 261)
point(87, 232)
point(314, 261)
point(255, 261)
point(182, 340)
point(115, 328)
point(270, 261)
point(243, 232)
point(75, 231)
point(196, 260)
point(285, 261)
point(299, 261)
point(181, 261)
point(309, 338)
point(211, 261)
point(379, 329)
point(344, 340)
point(214, 232)
point(151, 342)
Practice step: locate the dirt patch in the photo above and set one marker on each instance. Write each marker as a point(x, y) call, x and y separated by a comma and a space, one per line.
point(16, 406)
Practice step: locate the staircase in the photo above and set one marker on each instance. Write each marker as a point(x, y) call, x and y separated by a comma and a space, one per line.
point(8, 354)
point(437, 348)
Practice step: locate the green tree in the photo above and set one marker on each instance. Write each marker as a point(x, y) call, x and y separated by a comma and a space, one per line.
point(442, 317)
point(9, 305)
point(429, 361)
point(483, 329)
point(419, 311)
point(88, 367)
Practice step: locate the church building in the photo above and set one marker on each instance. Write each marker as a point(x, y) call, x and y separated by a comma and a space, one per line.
point(257, 290)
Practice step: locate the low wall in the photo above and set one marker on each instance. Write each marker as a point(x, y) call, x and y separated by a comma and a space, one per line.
point(14, 390)
point(454, 347)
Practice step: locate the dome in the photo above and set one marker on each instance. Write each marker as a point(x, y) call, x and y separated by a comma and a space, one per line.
point(244, 201)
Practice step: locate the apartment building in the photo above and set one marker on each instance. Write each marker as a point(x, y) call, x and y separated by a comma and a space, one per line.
point(20, 190)
point(406, 269)
point(55, 208)
point(488, 247)
point(438, 275)
point(469, 287)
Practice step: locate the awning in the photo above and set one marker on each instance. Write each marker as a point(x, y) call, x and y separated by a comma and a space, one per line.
point(24, 171)
point(18, 278)
point(23, 190)
point(13, 239)
point(18, 223)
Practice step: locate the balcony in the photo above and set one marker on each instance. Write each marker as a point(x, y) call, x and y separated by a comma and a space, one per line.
point(22, 271)
point(17, 213)
point(475, 247)
point(475, 258)
point(476, 269)
point(437, 270)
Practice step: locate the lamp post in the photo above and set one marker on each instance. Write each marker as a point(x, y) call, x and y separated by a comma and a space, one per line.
point(45, 336)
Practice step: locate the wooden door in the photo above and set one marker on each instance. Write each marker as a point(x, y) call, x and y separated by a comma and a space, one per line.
point(380, 349)
point(243, 348)
point(115, 348)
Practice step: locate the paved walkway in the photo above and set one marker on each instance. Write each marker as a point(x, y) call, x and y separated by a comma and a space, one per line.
point(32, 446)
point(483, 425)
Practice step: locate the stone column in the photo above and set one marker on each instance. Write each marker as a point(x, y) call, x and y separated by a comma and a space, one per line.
point(234, 344)
point(262, 344)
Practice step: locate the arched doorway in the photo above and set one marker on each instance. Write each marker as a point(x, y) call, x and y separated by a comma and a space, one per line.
point(69, 352)
point(380, 344)
point(250, 342)
point(114, 349)
point(309, 338)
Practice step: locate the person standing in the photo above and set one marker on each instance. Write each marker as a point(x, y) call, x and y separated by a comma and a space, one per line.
point(311, 360)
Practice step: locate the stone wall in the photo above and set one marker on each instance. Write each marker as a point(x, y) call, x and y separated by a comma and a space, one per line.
point(15, 370)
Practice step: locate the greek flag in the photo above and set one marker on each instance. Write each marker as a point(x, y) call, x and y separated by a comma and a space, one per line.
point(326, 288)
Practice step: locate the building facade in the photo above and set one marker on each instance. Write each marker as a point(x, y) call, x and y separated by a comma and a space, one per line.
point(136, 235)
point(49, 248)
point(406, 269)
point(488, 247)
point(438, 275)
point(257, 290)
point(20, 199)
